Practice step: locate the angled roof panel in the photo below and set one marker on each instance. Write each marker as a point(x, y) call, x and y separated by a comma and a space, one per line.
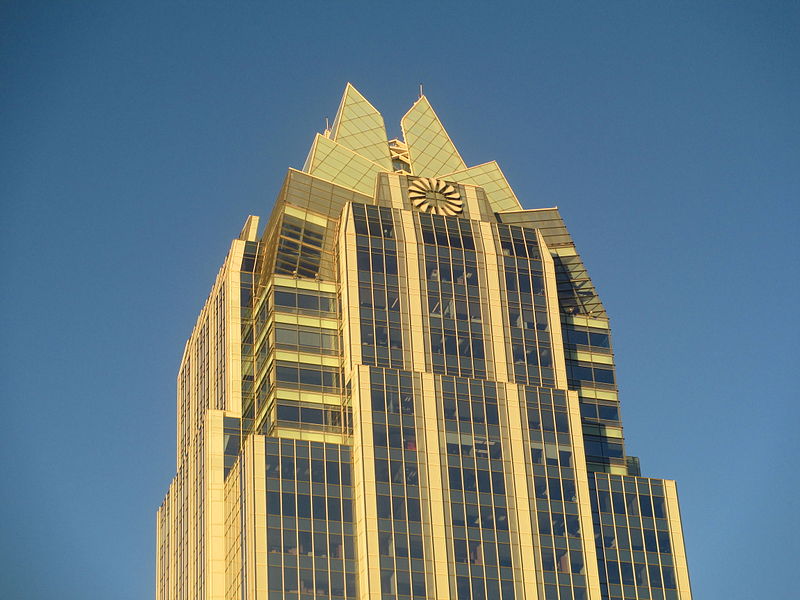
point(491, 179)
point(359, 127)
point(430, 148)
point(334, 162)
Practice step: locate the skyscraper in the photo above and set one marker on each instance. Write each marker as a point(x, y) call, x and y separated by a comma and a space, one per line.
point(404, 388)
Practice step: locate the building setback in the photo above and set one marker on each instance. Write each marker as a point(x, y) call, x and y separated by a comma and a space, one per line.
point(404, 388)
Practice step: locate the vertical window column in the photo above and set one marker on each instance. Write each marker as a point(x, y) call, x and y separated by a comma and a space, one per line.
point(378, 292)
point(397, 485)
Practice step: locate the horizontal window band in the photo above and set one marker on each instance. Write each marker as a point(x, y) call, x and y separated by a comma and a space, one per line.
point(312, 436)
point(586, 392)
point(302, 214)
point(591, 357)
point(585, 321)
point(303, 284)
point(603, 430)
point(292, 319)
point(315, 398)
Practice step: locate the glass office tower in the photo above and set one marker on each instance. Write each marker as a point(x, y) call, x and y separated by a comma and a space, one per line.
point(404, 388)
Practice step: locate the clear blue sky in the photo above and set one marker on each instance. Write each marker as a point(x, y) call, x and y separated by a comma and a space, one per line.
point(135, 137)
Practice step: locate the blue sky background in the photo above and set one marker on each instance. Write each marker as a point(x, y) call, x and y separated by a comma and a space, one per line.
point(135, 138)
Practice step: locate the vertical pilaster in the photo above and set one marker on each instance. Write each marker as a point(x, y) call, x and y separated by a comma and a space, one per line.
point(214, 505)
point(365, 510)
point(437, 555)
point(520, 493)
point(676, 535)
point(254, 504)
point(471, 200)
point(582, 491)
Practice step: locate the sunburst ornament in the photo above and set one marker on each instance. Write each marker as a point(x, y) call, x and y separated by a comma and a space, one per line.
point(435, 196)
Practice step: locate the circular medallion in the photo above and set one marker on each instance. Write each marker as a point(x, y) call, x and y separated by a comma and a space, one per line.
point(435, 196)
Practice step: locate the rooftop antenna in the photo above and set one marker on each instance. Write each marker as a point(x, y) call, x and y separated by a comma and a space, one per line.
point(420, 90)
point(327, 128)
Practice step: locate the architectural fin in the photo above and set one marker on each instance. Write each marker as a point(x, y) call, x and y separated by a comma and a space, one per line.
point(431, 151)
point(359, 126)
point(249, 232)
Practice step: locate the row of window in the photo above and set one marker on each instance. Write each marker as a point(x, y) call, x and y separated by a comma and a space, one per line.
point(396, 471)
point(394, 436)
point(597, 411)
point(381, 335)
point(380, 260)
point(555, 488)
point(586, 337)
point(518, 241)
point(629, 503)
point(319, 584)
point(312, 303)
point(392, 401)
point(456, 309)
point(398, 508)
point(447, 270)
point(551, 454)
point(602, 447)
point(524, 282)
point(308, 415)
point(481, 552)
point(623, 537)
point(592, 374)
point(374, 221)
point(306, 339)
point(473, 445)
point(483, 481)
point(398, 545)
point(477, 588)
point(527, 318)
point(289, 504)
point(637, 574)
point(307, 543)
point(476, 411)
point(308, 461)
point(379, 298)
point(547, 418)
point(307, 376)
point(444, 231)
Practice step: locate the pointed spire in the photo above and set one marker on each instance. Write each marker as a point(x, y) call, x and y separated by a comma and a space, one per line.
point(431, 150)
point(359, 126)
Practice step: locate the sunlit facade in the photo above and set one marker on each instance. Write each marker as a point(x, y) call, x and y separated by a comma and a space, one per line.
point(404, 388)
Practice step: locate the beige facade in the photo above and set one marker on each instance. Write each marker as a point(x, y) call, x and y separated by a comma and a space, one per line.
point(404, 388)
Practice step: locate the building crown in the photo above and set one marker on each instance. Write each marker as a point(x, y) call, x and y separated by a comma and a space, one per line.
point(355, 148)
